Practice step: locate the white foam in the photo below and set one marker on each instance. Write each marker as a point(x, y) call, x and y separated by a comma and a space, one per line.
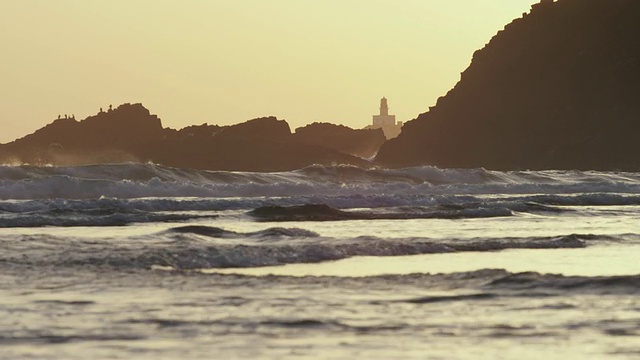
point(148, 180)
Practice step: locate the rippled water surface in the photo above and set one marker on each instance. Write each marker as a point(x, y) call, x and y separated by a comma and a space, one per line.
point(142, 261)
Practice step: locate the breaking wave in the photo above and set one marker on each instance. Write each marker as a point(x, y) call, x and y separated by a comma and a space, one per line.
point(490, 284)
point(521, 203)
point(323, 212)
point(202, 247)
point(534, 281)
point(92, 218)
point(118, 212)
point(150, 180)
point(217, 232)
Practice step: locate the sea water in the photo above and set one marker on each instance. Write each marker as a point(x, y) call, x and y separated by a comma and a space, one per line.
point(144, 261)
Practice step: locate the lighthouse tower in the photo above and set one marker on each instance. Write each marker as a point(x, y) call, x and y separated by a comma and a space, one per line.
point(384, 119)
point(386, 122)
point(384, 107)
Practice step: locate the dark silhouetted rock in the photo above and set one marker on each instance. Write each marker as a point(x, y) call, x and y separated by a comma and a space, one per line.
point(131, 133)
point(361, 143)
point(556, 89)
point(106, 137)
point(262, 128)
point(256, 145)
point(205, 130)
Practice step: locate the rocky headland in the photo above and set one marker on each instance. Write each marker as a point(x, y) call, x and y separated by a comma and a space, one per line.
point(363, 143)
point(130, 133)
point(556, 89)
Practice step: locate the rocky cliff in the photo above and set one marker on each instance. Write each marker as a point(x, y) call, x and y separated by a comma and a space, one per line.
point(111, 136)
point(262, 144)
point(131, 133)
point(556, 89)
point(363, 143)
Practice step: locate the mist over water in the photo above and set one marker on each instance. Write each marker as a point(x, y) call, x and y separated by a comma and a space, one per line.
point(146, 261)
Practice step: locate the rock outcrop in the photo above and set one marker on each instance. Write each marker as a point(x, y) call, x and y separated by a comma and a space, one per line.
point(556, 89)
point(262, 144)
point(362, 143)
point(113, 136)
point(131, 133)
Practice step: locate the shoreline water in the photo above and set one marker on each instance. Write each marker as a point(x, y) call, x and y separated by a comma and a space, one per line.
point(593, 261)
point(146, 262)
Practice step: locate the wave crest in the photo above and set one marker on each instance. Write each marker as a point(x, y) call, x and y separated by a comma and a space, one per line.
point(149, 180)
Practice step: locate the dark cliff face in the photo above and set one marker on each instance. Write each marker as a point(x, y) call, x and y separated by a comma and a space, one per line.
point(361, 143)
point(122, 127)
point(131, 133)
point(557, 89)
point(262, 144)
point(261, 128)
point(110, 136)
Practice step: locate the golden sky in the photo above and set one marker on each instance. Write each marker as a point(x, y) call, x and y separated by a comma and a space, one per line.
point(227, 61)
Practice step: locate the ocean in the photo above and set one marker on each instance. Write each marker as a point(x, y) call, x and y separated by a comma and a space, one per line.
point(143, 261)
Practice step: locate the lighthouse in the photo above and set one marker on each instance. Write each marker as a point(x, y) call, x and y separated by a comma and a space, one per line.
point(384, 107)
point(386, 122)
point(384, 119)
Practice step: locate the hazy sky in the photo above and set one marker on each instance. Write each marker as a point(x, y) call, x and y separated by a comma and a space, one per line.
point(227, 61)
